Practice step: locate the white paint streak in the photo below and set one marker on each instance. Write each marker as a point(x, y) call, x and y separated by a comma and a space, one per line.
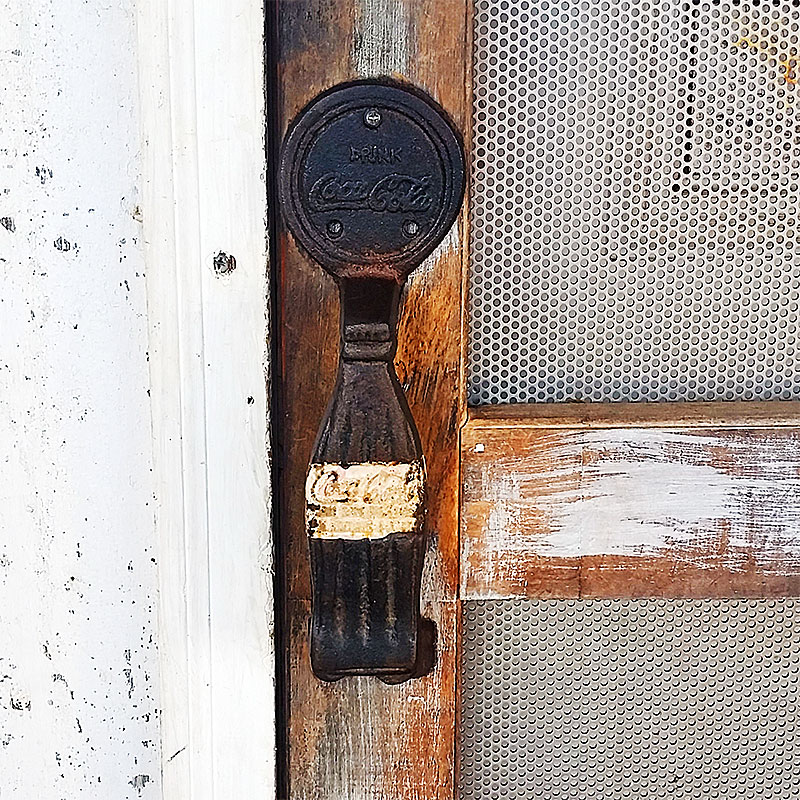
point(78, 662)
point(651, 493)
point(618, 515)
point(381, 38)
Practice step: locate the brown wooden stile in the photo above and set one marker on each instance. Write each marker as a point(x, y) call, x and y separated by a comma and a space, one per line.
point(359, 737)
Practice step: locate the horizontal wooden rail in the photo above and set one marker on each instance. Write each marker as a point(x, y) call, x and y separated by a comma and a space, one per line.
point(640, 415)
point(672, 500)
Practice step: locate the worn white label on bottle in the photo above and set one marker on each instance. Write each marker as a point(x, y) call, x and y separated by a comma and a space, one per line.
point(363, 501)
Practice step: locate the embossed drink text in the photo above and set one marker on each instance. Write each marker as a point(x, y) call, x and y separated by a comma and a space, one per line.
point(392, 193)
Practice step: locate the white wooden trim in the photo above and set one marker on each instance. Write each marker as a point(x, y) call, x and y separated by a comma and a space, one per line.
point(202, 109)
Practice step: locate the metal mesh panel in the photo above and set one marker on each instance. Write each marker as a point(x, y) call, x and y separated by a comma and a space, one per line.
point(635, 198)
point(640, 699)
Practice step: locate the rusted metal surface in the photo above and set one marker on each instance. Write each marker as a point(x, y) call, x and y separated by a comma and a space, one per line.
point(371, 179)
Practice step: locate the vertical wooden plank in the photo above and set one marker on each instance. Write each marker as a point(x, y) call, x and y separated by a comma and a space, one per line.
point(359, 738)
point(79, 699)
point(204, 210)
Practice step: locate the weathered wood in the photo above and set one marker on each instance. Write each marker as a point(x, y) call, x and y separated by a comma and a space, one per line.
point(358, 738)
point(771, 414)
point(584, 510)
point(201, 75)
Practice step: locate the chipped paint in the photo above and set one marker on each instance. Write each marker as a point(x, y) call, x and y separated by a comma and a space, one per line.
point(708, 499)
point(363, 501)
point(224, 263)
point(76, 487)
point(641, 499)
point(634, 498)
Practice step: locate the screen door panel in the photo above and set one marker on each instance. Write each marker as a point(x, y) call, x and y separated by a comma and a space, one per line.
point(635, 177)
point(633, 237)
point(640, 699)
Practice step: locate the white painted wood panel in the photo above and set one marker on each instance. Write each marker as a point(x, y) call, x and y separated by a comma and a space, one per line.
point(102, 502)
point(78, 659)
point(204, 208)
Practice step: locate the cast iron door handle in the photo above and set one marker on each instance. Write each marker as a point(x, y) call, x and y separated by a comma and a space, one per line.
point(371, 179)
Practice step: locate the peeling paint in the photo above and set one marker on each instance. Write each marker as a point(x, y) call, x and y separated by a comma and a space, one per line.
point(363, 501)
point(718, 499)
point(224, 263)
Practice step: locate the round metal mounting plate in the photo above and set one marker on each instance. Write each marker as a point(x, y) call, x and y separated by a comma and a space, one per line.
point(371, 179)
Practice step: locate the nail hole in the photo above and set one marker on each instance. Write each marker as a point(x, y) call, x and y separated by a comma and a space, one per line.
point(224, 263)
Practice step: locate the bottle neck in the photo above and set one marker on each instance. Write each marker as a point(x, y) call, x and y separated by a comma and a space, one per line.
point(369, 319)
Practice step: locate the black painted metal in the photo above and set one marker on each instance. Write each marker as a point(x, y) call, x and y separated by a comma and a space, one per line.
point(371, 179)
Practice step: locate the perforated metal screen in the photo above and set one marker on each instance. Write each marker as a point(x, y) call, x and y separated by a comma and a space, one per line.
point(639, 699)
point(635, 200)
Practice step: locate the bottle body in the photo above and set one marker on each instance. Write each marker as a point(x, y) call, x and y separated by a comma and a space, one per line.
point(364, 503)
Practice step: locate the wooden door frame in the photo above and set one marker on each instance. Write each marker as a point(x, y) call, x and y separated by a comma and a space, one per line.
point(204, 214)
point(360, 738)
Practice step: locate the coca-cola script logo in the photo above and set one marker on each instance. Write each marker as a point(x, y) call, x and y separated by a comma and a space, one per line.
point(393, 193)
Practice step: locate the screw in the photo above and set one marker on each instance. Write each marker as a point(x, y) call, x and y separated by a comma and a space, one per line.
point(335, 228)
point(372, 118)
point(410, 227)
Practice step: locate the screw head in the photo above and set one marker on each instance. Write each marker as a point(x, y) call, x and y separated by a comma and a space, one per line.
point(372, 118)
point(410, 227)
point(334, 228)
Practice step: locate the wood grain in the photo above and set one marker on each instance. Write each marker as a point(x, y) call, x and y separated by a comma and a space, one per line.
point(362, 739)
point(618, 511)
point(359, 738)
point(769, 414)
point(201, 75)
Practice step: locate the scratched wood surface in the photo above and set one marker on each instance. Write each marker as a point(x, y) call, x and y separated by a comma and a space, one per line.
point(360, 739)
point(676, 503)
